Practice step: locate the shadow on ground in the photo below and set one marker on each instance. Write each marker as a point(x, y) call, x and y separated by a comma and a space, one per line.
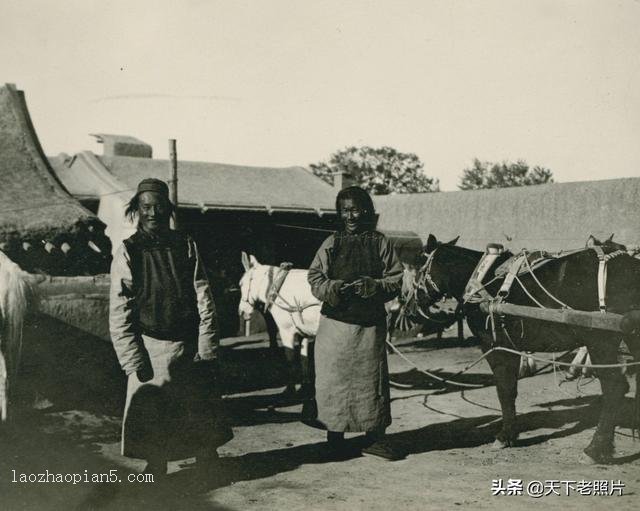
point(51, 444)
point(455, 434)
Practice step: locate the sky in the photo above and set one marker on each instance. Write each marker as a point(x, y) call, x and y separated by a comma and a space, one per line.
point(282, 83)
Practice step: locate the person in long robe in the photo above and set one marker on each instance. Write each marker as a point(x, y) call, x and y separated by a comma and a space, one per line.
point(164, 330)
point(354, 273)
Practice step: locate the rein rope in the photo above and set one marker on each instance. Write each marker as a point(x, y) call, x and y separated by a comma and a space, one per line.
point(553, 362)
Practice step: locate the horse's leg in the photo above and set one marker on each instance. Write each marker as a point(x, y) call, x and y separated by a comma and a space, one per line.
point(614, 387)
point(579, 359)
point(308, 390)
point(633, 343)
point(307, 366)
point(460, 330)
point(391, 321)
point(527, 366)
point(272, 330)
point(505, 371)
point(289, 343)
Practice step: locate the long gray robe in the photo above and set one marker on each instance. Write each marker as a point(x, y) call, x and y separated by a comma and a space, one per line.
point(178, 413)
point(352, 376)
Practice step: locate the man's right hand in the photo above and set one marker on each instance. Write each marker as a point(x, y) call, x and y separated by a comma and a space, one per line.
point(145, 373)
point(346, 289)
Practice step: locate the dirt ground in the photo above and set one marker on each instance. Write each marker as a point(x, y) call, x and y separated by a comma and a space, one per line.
point(275, 462)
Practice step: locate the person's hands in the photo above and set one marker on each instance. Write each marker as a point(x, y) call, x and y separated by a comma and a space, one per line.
point(344, 289)
point(365, 287)
point(145, 373)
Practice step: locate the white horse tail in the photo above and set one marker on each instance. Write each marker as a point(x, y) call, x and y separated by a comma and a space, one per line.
point(15, 295)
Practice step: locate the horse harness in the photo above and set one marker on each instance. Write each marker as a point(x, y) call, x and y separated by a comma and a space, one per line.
point(273, 296)
point(522, 263)
point(426, 283)
point(527, 262)
point(603, 259)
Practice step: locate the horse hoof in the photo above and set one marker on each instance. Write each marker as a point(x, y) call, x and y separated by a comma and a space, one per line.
point(585, 459)
point(593, 457)
point(499, 444)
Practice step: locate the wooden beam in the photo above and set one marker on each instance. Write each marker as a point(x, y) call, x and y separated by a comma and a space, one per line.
point(595, 320)
point(173, 189)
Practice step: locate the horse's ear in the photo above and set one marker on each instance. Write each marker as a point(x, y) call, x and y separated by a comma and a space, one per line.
point(453, 241)
point(432, 244)
point(592, 242)
point(253, 261)
point(610, 238)
point(245, 261)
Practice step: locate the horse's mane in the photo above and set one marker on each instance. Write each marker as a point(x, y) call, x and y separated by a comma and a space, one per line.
point(15, 294)
point(463, 251)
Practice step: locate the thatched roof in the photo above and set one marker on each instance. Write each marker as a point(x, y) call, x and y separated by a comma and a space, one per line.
point(34, 206)
point(203, 185)
point(552, 216)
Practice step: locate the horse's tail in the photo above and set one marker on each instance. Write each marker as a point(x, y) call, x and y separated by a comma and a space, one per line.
point(15, 295)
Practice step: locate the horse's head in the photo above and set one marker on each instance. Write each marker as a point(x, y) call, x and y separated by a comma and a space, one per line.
point(251, 286)
point(607, 245)
point(445, 272)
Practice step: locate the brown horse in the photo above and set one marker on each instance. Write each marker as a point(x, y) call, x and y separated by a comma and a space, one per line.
point(571, 279)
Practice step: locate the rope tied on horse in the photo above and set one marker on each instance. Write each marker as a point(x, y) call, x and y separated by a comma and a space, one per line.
point(513, 275)
point(425, 283)
point(476, 292)
point(273, 295)
point(553, 362)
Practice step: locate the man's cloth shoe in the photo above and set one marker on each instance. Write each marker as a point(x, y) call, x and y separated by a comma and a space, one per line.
point(383, 450)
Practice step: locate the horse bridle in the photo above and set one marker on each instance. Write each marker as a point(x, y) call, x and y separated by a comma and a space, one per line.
point(425, 282)
point(247, 299)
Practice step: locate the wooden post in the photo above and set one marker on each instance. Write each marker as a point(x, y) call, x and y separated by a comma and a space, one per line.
point(597, 320)
point(173, 189)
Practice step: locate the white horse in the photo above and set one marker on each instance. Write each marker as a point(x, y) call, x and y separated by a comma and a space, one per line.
point(295, 311)
point(16, 297)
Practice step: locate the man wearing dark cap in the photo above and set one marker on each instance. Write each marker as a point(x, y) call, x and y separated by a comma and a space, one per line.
point(164, 330)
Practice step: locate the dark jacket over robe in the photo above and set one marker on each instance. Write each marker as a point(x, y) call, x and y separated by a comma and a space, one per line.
point(162, 315)
point(352, 377)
